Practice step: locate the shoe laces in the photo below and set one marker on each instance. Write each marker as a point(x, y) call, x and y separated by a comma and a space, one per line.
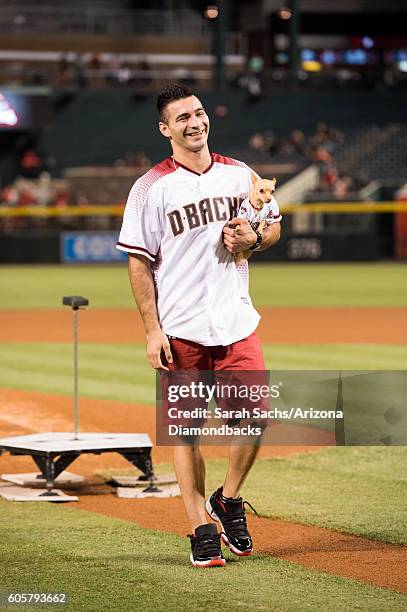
point(206, 544)
point(235, 521)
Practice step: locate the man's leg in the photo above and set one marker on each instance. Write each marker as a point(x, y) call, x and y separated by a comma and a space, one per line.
point(206, 550)
point(190, 471)
point(241, 459)
point(225, 504)
point(244, 361)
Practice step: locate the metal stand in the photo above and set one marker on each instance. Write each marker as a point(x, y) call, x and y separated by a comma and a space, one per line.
point(142, 460)
point(51, 469)
point(75, 302)
point(54, 452)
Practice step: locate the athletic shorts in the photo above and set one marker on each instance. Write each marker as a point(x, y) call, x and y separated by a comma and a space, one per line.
point(237, 366)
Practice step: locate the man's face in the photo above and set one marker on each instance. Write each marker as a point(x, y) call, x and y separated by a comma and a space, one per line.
point(187, 124)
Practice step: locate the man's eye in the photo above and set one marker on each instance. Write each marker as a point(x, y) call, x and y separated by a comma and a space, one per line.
point(261, 190)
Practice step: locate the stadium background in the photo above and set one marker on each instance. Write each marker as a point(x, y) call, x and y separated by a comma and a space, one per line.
point(313, 93)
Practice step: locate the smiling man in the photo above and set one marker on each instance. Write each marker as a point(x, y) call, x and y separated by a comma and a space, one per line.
point(180, 230)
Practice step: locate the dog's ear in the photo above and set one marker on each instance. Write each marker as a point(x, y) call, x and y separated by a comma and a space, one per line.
point(254, 179)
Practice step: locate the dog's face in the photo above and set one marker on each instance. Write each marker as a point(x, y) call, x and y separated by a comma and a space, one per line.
point(261, 192)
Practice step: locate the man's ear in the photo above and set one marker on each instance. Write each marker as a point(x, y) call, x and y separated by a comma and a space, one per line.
point(254, 179)
point(163, 127)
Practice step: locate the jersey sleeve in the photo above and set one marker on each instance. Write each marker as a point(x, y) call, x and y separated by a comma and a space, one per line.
point(141, 227)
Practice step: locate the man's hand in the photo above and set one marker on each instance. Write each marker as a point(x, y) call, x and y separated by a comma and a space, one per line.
point(157, 342)
point(240, 237)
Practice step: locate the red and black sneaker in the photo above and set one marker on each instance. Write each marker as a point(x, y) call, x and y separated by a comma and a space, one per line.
point(232, 516)
point(206, 550)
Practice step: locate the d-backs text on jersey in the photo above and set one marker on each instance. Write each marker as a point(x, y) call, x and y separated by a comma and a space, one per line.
point(208, 210)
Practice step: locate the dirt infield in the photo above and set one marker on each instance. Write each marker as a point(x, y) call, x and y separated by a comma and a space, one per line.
point(278, 325)
point(321, 549)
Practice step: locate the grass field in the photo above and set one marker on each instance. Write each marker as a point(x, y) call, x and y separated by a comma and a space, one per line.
point(378, 284)
point(108, 564)
point(121, 372)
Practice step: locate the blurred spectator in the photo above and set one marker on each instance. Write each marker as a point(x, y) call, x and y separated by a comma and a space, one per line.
point(42, 191)
point(95, 62)
point(137, 159)
point(321, 155)
point(144, 79)
point(329, 178)
point(254, 87)
point(61, 198)
point(257, 142)
point(79, 70)
point(252, 78)
point(31, 164)
point(65, 76)
point(298, 141)
point(117, 72)
point(9, 195)
point(45, 189)
point(342, 187)
point(141, 159)
point(317, 147)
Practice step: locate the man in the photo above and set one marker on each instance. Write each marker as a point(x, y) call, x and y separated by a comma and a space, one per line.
point(180, 230)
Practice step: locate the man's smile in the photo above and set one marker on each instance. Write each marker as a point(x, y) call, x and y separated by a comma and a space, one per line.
point(197, 133)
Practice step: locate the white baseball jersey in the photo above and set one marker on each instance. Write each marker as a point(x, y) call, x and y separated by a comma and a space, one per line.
point(175, 217)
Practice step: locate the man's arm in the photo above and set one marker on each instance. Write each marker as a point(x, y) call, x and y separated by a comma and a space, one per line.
point(142, 285)
point(271, 235)
point(240, 240)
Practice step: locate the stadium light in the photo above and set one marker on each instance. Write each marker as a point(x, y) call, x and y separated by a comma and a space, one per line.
point(284, 13)
point(211, 11)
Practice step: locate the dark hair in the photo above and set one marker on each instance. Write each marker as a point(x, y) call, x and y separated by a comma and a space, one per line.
point(169, 94)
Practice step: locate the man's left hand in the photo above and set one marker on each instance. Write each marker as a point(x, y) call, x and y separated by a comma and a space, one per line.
point(238, 235)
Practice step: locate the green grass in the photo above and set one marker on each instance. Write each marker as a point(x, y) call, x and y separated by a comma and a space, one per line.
point(107, 564)
point(43, 286)
point(121, 371)
point(371, 284)
point(358, 490)
point(365, 284)
point(335, 356)
point(106, 371)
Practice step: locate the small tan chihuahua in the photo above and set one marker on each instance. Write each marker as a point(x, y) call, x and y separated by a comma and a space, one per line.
point(260, 194)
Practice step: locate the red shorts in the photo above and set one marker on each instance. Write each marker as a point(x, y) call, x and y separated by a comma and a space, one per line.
point(237, 366)
point(243, 355)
